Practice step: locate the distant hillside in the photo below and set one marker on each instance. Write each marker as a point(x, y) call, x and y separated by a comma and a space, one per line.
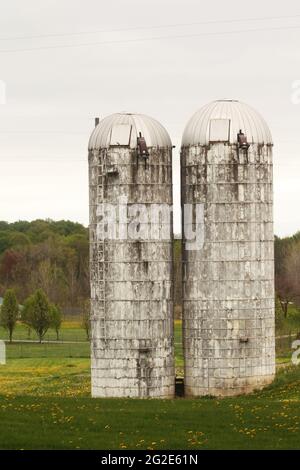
point(55, 256)
point(47, 254)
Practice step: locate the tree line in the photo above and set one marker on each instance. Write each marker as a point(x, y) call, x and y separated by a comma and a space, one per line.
point(47, 255)
point(54, 256)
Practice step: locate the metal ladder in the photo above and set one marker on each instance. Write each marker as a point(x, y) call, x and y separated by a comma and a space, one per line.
point(101, 248)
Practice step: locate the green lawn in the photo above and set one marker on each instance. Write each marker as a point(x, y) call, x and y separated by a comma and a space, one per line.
point(76, 344)
point(45, 404)
point(70, 331)
point(19, 350)
point(73, 343)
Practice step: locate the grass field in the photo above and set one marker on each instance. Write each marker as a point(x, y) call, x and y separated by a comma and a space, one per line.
point(45, 404)
point(72, 343)
point(70, 331)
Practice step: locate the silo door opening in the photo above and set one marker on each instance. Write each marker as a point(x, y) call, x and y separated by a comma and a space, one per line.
point(120, 135)
point(219, 130)
point(179, 387)
point(144, 372)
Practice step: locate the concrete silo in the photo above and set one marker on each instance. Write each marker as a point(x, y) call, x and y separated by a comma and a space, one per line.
point(228, 270)
point(130, 175)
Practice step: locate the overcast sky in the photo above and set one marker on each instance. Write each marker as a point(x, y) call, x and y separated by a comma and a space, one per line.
point(164, 58)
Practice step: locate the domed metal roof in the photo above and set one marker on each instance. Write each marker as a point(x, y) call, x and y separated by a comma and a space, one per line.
point(124, 128)
point(221, 121)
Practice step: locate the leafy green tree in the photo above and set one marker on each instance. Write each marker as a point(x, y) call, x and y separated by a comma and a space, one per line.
point(56, 319)
point(53, 256)
point(5, 241)
point(37, 313)
point(9, 312)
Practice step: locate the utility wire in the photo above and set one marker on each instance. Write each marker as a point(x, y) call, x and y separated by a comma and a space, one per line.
point(44, 161)
point(142, 28)
point(43, 132)
point(153, 38)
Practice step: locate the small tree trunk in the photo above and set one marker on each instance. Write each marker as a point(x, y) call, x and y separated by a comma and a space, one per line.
point(10, 335)
point(281, 302)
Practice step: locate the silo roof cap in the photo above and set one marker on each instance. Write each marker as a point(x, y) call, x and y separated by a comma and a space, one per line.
point(124, 129)
point(238, 115)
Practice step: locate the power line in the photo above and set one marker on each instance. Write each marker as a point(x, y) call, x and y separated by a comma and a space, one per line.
point(39, 159)
point(142, 28)
point(43, 132)
point(153, 38)
point(43, 161)
point(36, 159)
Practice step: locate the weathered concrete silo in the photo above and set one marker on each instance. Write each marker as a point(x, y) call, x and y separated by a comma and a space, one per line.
point(130, 174)
point(228, 272)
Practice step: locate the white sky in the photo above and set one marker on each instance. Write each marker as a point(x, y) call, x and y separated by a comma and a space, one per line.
point(53, 93)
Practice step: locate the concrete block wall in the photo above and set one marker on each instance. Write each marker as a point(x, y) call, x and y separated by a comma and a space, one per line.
point(131, 280)
point(228, 283)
